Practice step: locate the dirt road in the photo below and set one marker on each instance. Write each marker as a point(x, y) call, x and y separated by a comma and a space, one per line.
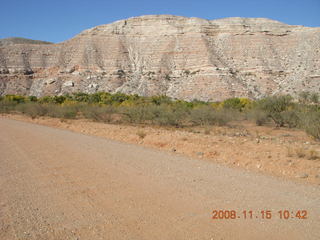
point(56, 184)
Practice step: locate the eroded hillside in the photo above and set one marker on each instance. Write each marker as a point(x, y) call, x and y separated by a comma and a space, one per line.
point(184, 58)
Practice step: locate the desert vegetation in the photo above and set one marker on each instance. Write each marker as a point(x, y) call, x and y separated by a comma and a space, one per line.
point(279, 111)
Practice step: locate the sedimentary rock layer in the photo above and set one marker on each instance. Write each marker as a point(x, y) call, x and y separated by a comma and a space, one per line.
point(184, 58)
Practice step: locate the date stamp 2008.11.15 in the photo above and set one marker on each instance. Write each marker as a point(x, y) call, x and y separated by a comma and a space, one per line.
point(259, 214)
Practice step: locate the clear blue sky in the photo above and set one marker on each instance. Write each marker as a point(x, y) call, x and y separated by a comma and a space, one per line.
point(59, 20)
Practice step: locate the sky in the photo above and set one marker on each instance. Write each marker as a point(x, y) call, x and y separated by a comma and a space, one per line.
point(59, 20)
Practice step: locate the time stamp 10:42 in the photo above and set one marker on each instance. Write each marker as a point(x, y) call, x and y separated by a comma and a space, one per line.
point(262, 214)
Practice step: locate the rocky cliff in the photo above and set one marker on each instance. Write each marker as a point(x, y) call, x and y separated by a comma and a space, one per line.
point(184, 58)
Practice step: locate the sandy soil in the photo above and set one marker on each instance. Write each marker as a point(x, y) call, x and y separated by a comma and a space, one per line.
point(56, 184)
point(272, 151)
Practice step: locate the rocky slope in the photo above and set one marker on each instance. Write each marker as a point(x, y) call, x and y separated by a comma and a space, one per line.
point(184, 58)
point(19, 40)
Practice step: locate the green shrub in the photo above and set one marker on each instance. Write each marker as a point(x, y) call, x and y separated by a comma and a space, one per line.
point(32, 109)
point(311, 124)
point(290, 118)
point(233, 103)
point(203, 115)
point(98, 113)
point(258, 116)
point(32, 99)
point(169, 115)
point(185, 105)
point(58, 111)
point(7, 106)
point(118, 98)
point(207, 115)
point(138, 114)
point(304, 97)
point(314, 98)
point(94, 98)
point(69, 112)
point(275, 107)
point(46, 99)
point(223, 117)
point(80, 97)
point(53, 99)
point(59, 99)
point(15, 98)
point(158, 100)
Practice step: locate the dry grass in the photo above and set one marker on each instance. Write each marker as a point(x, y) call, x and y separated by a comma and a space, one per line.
point(290, 152)
point(300, 152)
point(141, 134)
point(207, 131)
point(313, 155)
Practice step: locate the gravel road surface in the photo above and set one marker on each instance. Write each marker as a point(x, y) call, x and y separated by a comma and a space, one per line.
point(56, 184)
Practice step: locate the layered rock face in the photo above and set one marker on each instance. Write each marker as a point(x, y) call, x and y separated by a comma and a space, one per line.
point(184, 58)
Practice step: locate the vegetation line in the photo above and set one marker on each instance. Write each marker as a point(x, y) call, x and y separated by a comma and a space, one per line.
point(282, 111)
